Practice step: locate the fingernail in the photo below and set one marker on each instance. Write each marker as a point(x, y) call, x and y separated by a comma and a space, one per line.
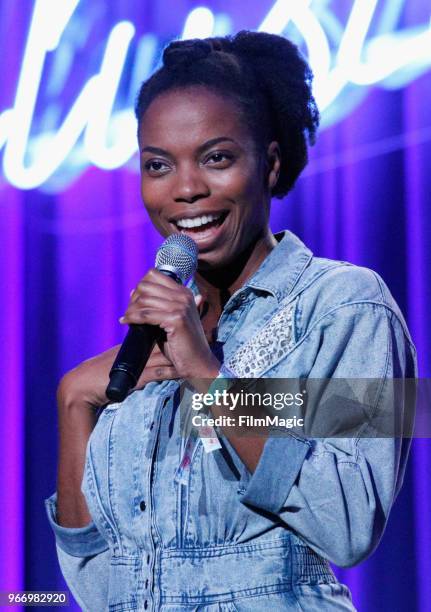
point(121, 320)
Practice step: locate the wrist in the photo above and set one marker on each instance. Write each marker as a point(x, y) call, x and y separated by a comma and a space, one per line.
point(208, 370)
point(221, 378)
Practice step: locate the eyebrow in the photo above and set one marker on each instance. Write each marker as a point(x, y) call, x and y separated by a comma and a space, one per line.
point(202, 147)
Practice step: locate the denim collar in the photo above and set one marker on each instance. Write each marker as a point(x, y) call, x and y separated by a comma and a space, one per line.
point(280, 270)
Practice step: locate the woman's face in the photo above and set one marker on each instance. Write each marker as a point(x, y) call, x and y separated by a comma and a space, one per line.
point(200, 174)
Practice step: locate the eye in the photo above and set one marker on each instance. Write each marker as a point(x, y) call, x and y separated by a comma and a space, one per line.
point(156, 166)
point(219, 158)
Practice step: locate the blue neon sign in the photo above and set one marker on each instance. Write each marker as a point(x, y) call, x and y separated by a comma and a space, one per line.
point(99, 127)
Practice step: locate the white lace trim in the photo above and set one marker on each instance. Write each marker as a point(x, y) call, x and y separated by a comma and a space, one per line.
point(267, 347)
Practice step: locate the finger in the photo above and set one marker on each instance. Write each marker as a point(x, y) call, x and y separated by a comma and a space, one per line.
point(148, 303)
point(147, 287)
point(155, 301)
point(150, 316)
point(155, 276)
point(162, 298)
point(157, 373)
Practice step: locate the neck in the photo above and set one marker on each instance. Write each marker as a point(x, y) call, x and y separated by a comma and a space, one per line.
point(217, 285)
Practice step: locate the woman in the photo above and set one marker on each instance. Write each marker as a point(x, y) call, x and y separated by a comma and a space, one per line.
point(162, 524)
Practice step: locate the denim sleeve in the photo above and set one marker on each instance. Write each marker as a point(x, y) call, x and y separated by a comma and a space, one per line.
point(84, 558)
point(336, 493)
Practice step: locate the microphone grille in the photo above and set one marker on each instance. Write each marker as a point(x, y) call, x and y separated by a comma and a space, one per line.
point(180, 254)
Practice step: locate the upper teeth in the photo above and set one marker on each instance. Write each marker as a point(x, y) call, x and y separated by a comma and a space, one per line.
point(197, 221)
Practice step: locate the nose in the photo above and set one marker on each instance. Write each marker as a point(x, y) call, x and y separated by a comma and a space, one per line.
point(190, 185)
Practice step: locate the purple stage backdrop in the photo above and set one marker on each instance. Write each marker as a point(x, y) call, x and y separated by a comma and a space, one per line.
point(75, 238)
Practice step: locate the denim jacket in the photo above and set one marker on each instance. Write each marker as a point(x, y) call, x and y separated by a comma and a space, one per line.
point(220, 538)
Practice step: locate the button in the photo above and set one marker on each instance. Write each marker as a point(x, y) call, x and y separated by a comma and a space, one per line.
point(146, 583)
point(148, 559)
point(145, 604)
point(142, 505)
point(152, 425)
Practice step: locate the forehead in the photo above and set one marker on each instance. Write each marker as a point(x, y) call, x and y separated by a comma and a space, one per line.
point(188, 117)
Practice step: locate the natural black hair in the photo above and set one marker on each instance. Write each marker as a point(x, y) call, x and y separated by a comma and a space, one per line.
point(264, 74)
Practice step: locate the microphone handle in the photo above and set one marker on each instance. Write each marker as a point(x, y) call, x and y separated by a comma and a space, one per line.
point(131, 360)
point(133, 356)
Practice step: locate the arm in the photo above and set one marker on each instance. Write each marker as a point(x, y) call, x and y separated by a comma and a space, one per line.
point(76, 422)
point(80, 393)
point(336, 493)
point(83, 553)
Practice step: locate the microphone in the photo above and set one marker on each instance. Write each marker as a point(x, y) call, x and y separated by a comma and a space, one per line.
point(177, 257)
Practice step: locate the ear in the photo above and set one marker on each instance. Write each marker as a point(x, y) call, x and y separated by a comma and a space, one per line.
point(273, 157)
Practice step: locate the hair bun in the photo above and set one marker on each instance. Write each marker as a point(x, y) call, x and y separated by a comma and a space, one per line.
point(259, 44)
point(185, 52)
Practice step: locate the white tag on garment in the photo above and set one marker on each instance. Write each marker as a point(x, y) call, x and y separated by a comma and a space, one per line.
point(209, 438)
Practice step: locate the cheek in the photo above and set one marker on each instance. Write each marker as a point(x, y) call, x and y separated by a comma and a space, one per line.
point(236, 185)
point(152, 197)
point(148, 193)
point(248, 196)
point(152, 209)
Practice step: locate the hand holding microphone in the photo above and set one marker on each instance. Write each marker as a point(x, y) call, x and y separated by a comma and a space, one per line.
point(160, 306)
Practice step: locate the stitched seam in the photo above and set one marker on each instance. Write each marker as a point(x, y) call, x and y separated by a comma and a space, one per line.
point(380, 284)
point(405, 330)
point(329, 312)
point(290, 297)
point(94, 491)
point(242, 311)
point(312, 328)
point(321, 273)
point(383, 383)
point(384, 369)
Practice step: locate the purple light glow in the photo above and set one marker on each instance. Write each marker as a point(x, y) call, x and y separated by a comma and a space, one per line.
point(12, 397)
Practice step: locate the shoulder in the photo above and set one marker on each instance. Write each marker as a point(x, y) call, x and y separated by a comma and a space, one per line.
point(330, 286)
point(338, 282)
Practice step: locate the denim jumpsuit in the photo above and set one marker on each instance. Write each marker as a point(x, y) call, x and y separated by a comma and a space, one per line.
point(212, 536)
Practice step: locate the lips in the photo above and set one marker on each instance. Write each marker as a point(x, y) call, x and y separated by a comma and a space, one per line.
point(203, 228)
point(199, 222)
point(197, 214)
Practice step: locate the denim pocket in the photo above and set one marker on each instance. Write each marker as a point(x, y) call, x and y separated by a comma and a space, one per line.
point(334, 597)
point(274, 602)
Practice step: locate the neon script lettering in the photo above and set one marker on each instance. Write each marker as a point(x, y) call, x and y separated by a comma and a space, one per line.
point(97, 132)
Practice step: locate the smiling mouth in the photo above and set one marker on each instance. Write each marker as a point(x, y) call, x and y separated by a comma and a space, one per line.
point(199, 224)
